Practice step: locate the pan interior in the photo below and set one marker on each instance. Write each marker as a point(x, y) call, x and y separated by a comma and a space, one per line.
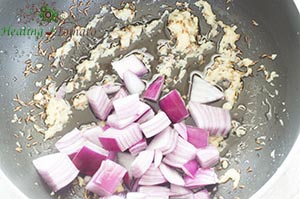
point(277, 32)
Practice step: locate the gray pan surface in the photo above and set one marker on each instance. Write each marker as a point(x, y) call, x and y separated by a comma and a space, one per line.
point(278, 32)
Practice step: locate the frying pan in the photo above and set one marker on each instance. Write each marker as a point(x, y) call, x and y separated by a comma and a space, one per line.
point(277, 32)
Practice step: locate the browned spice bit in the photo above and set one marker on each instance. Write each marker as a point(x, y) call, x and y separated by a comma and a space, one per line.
point(29, 137)
point(254, 22)
point(19, 149)
point(258, 148)
point(18, 100)
point(20, 119)
point(85, 11)
point(228, 1)
point(59, 197)
point(241, 186)
point(17, 108)
point(88, 3)
point(236, 198)
point(28, 145)
point(71, 11)
point(249, 170)
point(27, 119)
point(16, 135)
point(31, 103)
point(34, 143)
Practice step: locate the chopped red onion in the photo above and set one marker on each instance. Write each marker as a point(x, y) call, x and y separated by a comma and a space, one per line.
point(120, 94)
point(133, 83)
point(183, 152)
point(203, 92)
point(119, 122)
point(61, 92)
point(136, 195)
point(138, 147)
point(181, 129)
point(216, 121)
point(202, 177)
point(171, 175)
point(152, 176)
point(111, 88)
point(56, 169)
point(158, 156)
point(121, 139)
point(71, 143)
point(177, 190)
point(147, 116)
point(190, 168)
point(130, 63)
point(155, 125)
point(154, 89)
point(208, 156)
point(105, 181)
point(142, 163)
point(92, 134)
point(126, 106)
point(89, 158)
point(203, 194)
point(112, 155)
point(154, 191)
point(99, 102)
point(165, 141)
point(197, 136)
point(186, 196)
point(125, 160)
point(173, 105)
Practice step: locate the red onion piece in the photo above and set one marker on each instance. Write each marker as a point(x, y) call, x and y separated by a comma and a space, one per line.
point(105, 181)
point(202, 177)
point(186, 196)
point(119, 122)
point(203, 92)
point(154, 89)
point(158, 156)
point(133, 83)
point(120, 94)
point(125, 160)
point(165, 141)
point(203, 194)
point(136, 195)
point(92, 134)
point(99, 102)
point(138, 147)
point(112, 155)
point(111, 88)
point(171, 175)
point(173, 105)
point(126, 106)
point(130, 63)
point(179, 190)
point(155, 191)
point(146, 117)
point(71, 143)
point(121, 139)
point(152, 176)
point(190, 168)
point(56, 169)
point(208, 156)
point(183, 152)
point(216, 121)
point(181, 129)
point(197, 136)
point(155, 125)
point(89, 158)
point(142, 163)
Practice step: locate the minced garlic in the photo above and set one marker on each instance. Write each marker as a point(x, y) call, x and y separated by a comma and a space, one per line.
point(58, 112)
point(126, 13)
point(80, 101)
